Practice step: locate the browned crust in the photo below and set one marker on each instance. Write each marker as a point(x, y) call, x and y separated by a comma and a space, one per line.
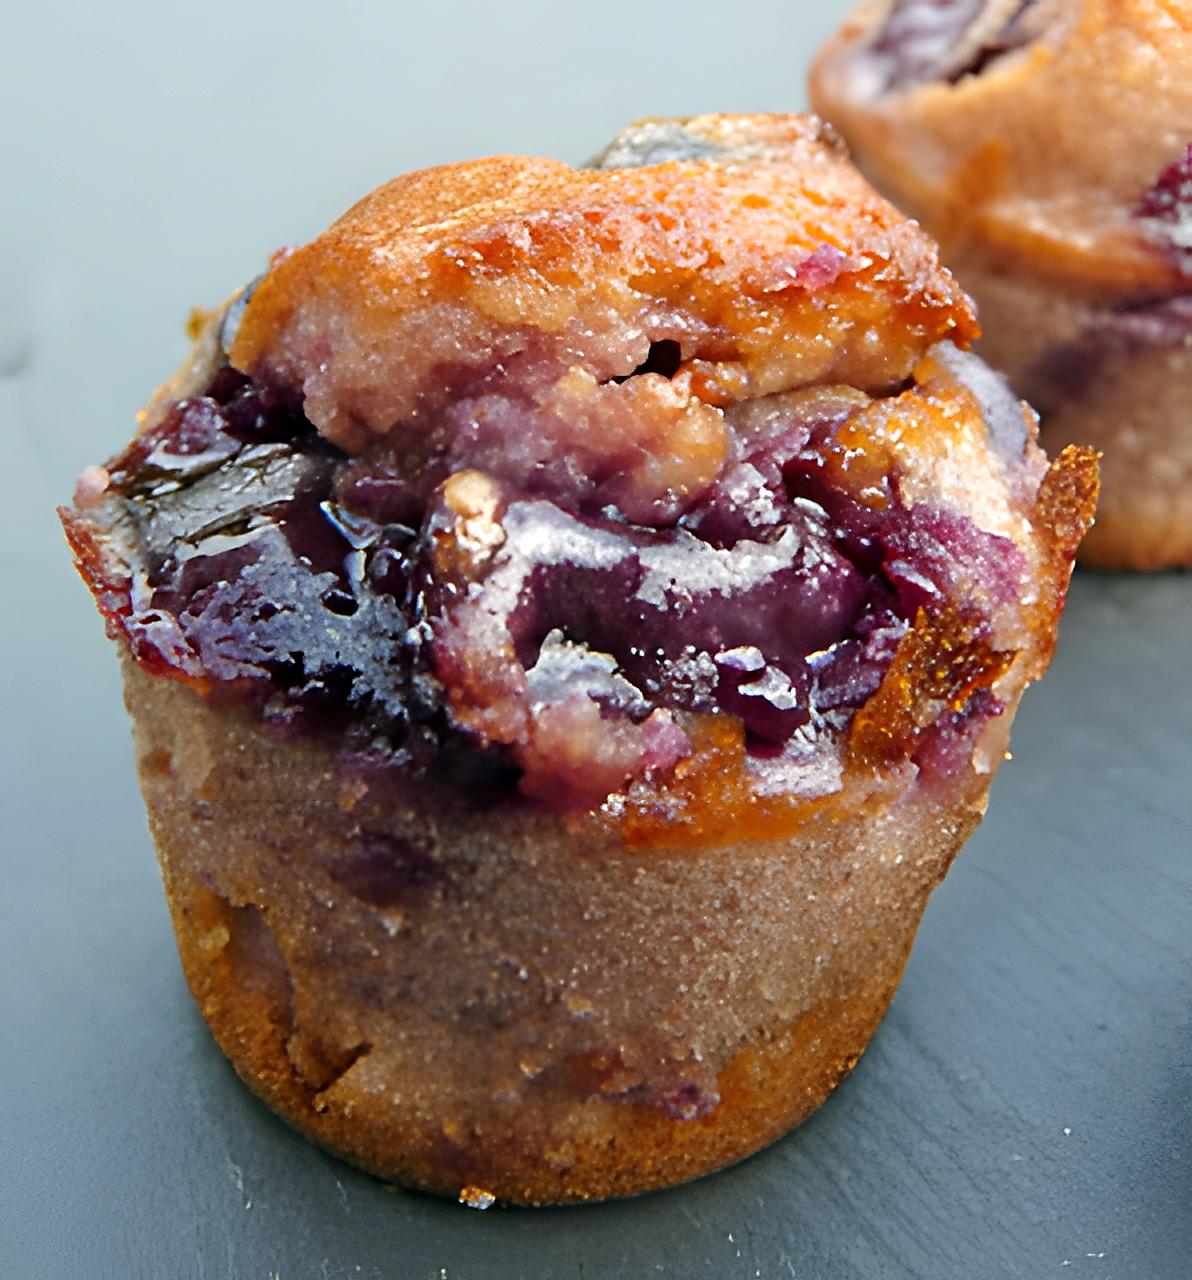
point(469, 256)
point(329, 1016)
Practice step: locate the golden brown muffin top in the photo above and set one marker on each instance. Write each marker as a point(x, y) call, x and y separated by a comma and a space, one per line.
point(758, 248)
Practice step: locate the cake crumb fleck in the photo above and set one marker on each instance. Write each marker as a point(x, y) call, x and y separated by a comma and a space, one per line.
point(477, 1197)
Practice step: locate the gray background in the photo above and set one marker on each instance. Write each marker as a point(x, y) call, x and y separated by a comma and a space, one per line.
point(1023, 1111)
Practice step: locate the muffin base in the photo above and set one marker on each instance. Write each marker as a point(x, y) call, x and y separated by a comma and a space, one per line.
point(774, 1082)
point(455, 1042)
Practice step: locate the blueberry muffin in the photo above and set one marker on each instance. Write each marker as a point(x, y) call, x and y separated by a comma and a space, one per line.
point(570, 620)
point(1047, 145)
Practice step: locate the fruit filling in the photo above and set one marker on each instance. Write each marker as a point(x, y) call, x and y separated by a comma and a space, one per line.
point(923, 40)
point(1166, 209)
point(556, 613)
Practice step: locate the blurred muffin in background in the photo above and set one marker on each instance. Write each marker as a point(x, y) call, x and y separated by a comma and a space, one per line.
point(1047, 146)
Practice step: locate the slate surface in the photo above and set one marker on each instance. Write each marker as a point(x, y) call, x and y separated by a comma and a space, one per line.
point(1024, 1110)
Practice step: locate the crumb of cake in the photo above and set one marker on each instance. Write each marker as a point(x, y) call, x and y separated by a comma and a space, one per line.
point(476, 1197)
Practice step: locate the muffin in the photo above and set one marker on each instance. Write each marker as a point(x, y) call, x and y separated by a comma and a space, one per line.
point(1047, 145)
point(570, 620)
